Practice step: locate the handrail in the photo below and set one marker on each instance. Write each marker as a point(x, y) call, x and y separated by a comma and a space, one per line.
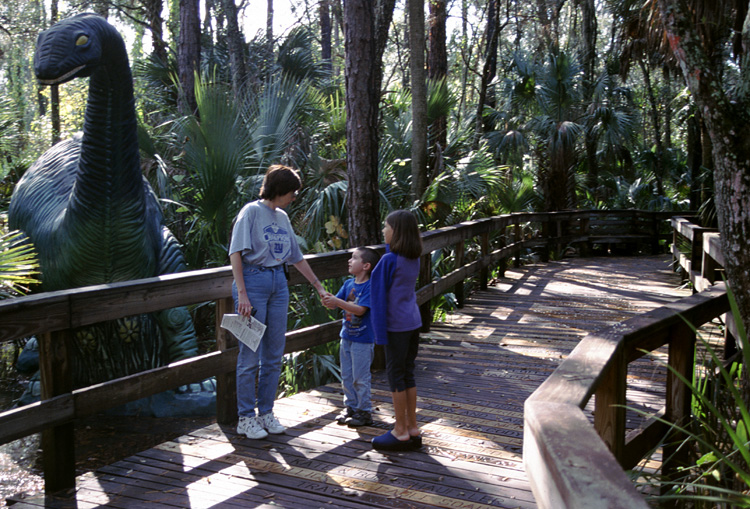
point(574, 463)
point(477, 246)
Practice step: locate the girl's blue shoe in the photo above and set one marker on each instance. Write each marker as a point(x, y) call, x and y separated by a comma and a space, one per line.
point(388, 442)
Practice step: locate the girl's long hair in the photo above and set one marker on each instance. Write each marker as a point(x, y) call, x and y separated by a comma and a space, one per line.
point(406, 239)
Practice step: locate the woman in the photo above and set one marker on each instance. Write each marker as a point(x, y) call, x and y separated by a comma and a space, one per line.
point(262, 243)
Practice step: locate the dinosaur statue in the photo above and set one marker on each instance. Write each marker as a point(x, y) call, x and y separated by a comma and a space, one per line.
point(91, 214)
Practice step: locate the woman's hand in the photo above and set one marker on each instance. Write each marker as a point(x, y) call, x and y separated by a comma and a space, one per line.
point(243, 305)
point(328, 300)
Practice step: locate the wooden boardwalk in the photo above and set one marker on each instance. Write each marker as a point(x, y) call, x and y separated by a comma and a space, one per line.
point(474, 373)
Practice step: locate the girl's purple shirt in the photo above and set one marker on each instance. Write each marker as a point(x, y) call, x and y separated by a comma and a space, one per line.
point(393, 298)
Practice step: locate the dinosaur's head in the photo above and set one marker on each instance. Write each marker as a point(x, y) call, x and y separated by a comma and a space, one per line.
point(71, 48)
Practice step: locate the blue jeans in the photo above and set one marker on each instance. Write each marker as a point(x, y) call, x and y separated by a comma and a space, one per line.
point(269, 294)
point(356, 359)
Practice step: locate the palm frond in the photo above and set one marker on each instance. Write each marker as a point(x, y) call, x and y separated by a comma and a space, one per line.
point(18, 264)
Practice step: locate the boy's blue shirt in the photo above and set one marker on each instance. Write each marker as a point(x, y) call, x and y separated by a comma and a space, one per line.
point(356, 328)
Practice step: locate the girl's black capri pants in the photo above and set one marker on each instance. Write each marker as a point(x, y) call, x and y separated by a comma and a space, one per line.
point(400, 354)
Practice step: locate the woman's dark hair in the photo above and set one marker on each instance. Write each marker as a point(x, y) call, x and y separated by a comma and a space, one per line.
point(406, 239)
point(279, 180)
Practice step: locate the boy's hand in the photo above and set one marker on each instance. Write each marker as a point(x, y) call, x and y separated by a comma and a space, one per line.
point(329, 300)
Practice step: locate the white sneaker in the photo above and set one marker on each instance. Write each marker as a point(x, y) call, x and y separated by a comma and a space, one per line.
point(251, 428)
point(271, 424)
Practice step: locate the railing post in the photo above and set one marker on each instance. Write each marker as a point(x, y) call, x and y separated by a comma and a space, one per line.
point(503, 241)
point(58, 442)
point(546, 236)
point(517, 237)
point(655, 224)
point(459, 288)
point(425, 277)
point(609, 413)
point(226, 383)
point(678, 396)
point(484, 273)
point(585, 231)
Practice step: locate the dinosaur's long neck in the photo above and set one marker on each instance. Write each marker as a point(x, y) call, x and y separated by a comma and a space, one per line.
point(107, 203)
point(109, 151)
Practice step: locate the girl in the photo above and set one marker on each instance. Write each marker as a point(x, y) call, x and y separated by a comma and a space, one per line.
point(262, 243)
point(396, 322)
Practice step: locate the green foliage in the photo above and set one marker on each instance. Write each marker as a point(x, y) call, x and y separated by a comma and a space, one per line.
point(311, 368)
point(18, 264)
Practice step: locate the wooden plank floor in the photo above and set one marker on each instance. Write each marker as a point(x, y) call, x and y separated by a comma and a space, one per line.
point(474, 373)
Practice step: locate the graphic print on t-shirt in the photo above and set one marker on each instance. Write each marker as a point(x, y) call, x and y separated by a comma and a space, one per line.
point(354, 320)
point(278, 240)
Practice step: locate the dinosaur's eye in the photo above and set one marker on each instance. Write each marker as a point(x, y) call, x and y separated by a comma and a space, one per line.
point(82, 39)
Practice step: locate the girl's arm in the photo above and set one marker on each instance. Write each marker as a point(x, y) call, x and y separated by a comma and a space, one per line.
point(243, 302)
point(380, 282)
point(307, 271)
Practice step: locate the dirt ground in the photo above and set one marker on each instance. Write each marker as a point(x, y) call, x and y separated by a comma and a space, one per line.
point(100, 440)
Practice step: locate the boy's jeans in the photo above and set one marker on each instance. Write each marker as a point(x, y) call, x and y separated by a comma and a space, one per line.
point(269, 294)
point(356, 359)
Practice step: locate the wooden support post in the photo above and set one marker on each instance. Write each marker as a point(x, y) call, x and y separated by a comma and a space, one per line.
point(425, 277)
point(58, 442)
point(546, 236)
point(459, 288)
point(655, 223)
point(609, 414)
point(503, 263)
point(484, 273)
point(226, 383)
point(678, 397)
point(517, 237)
point(587, 246)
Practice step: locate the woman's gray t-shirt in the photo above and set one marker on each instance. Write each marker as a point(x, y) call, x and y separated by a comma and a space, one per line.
point(264, 236)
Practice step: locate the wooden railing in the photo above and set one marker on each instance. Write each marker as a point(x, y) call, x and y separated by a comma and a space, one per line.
point(572, 463)
point(475, 246)
point(696, 251)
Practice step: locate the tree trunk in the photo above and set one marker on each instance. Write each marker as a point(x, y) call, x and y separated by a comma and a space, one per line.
point(437, 69)
point(54, 92)
point(724, 117)
point(547, 43)
point(156, 24)
point(188, 54)
point(695, 157)
point(588, 58)
point(490, 66)
point(325, 35)
point(362, 96)
point(654, 110)
point(337, 28)
point(236, 49)
point(269, 27)
point(418, 99)
point(466, 51)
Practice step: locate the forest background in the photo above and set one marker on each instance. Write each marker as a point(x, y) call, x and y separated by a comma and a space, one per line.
point(456, 109)
point(453, 109)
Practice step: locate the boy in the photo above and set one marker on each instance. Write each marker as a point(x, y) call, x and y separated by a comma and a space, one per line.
point(357, 340)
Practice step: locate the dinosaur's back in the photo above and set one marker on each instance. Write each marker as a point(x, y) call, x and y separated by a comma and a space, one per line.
point(41, 196)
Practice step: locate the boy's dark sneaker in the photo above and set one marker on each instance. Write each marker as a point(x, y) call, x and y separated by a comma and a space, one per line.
point(360, 418)
point(345, 414)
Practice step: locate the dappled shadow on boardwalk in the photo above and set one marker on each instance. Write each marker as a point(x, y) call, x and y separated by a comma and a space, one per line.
point(474, 373)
